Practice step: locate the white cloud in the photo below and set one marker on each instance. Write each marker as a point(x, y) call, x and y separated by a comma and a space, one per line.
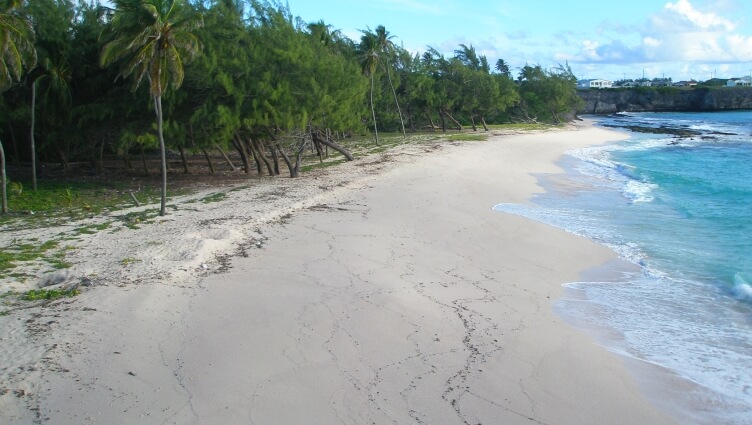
point(740, 46)
point(651, 42)
point(680, 32)
point(707, 21)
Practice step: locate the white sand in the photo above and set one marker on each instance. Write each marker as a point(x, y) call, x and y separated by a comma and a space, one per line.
point(383, 292)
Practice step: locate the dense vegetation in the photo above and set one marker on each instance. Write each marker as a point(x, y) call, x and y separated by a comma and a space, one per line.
point(81, 81)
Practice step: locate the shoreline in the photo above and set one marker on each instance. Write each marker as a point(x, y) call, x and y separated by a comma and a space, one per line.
point(686, 400)
point(361, 303)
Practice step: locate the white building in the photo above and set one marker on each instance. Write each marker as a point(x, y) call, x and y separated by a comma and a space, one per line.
point(595, 84)
point(739, 82)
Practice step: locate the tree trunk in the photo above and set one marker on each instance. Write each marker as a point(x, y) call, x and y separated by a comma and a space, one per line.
point(17, 158)
point(63, 159)
point(472, 122)
point(208, 160)
point(260, 149)
point(185, 160)
point(332, 144)
point(256, 159)
point(443, 121)
point(298, 156)
point(293, 170)
point(451, 118)
point(3, 182)
point(275, 160)
point(243, 154)
point(33, 148)
point(227, 158)
point(483, 121)
point(319, 151)
point(127, 160)
point(430, 120)
point(373, 113)
point(162, 154)
point(143, 160)
point(100, 160)
point(389, 77)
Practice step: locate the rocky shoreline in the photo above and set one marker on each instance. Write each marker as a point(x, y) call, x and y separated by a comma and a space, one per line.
point(703, 99)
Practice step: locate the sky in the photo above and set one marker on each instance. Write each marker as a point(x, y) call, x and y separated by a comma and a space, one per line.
point(681, 39)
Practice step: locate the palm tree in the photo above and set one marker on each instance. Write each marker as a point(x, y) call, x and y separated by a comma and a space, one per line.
point(16, 53)
point(386, 47)
point(503, 68)
point(369, 59)
point(156, 37)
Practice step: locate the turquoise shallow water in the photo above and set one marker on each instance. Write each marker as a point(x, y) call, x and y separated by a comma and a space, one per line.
point(676, 200)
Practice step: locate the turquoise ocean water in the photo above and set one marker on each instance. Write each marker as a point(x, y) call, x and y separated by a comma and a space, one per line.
point(676, 200)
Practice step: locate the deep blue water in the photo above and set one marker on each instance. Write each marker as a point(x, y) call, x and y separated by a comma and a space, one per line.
point(680, 207)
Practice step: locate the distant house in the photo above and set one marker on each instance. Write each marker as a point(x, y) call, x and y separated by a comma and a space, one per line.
point(661, 82)
point(690, 83)
point(739, 82)
point(595, 83)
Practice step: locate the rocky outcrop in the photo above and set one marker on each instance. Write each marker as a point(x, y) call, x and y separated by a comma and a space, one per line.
point(665, 99)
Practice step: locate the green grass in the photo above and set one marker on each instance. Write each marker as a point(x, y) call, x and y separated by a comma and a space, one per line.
point(467, 137)
point(57, 201)
point(522, 127)
point(216, 197)
point(324, 164)
point(15, 253)
point(49, 294)
point(91, 229)
point(132, 220)
point(68, 196)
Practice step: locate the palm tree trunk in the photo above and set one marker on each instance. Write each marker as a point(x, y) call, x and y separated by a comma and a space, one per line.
point(3, 183)
point(162, 152)
point(389, 76)
point(33, 148)
point(373, 112)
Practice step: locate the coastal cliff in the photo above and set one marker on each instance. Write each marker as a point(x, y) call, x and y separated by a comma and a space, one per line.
point(665, 99)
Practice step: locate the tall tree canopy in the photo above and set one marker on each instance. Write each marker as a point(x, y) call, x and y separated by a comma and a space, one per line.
point(267, 85)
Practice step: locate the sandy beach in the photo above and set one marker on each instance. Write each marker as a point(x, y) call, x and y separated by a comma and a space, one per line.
point(382, 291)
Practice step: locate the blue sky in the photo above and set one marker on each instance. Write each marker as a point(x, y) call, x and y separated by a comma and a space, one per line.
point(681, 39)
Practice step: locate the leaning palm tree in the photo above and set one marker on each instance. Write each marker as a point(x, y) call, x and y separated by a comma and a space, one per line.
point(156, 38)
point(16, 53)
point(386, 47)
